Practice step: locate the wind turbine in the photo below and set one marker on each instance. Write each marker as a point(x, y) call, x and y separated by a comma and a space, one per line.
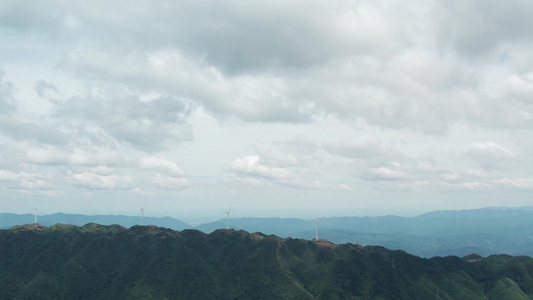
point(36, 211)
point(316, 225)
point(142, 213)
point(227, 217)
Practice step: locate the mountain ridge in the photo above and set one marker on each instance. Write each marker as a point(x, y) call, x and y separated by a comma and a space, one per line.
point(148, 262)
point(433, 234)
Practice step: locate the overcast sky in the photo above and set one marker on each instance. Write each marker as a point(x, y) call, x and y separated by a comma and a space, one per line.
point(349, 107)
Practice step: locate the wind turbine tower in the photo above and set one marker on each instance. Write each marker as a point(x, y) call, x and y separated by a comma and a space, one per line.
point(142, 213)
point(316, 225)
point(36, 211)
point(227, 217)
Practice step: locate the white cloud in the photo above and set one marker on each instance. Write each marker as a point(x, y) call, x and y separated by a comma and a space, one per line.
point(344, 187)
point(490, 149)
point(72, 21)
point(6, 175)
point(25, 181)
point(47, 155)
point(162, 165)
point(104, 182)
point(519, 183)
point(470, 186)
point(386, 174)
point(280, 158)
point(489, 155)
point(97, 156)
point(33, 182)
point(250, 166)
point(451, 176)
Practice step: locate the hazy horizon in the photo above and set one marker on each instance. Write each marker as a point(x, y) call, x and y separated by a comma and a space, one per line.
point(376, 107)
point(197, 217)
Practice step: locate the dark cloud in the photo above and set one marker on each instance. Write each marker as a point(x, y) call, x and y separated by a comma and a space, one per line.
point(475, 28)
point(148, 126)
point(18, 129)
point(235, 36)
point(44, 88)
point(164, 109)
point(287, 62)
point(240, 36)
point(28, 15)
point(247, 98)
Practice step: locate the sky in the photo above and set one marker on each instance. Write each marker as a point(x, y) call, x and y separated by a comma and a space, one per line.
point(285, 108)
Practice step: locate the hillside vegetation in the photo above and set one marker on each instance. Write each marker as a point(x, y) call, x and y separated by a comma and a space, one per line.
point(149, 262)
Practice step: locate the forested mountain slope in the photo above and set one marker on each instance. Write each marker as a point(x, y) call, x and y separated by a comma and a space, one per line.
point(148, 262)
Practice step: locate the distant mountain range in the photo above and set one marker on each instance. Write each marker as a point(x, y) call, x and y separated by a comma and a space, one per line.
point(149, 262)
point(484, 231)
point(10, 220)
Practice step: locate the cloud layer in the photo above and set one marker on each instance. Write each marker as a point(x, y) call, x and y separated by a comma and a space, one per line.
point(278, 101)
